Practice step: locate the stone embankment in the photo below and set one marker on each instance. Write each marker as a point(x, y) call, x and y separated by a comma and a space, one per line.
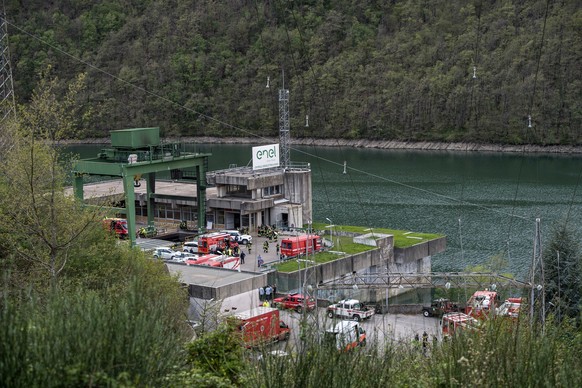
point(362, 143)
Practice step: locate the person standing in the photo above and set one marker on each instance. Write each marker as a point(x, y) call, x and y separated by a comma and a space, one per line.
point(260, 261)
point(268, 293)
point(242, 257)
point(261, 293)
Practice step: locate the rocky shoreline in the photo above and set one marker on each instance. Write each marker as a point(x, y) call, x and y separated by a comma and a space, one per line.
point(362, 143)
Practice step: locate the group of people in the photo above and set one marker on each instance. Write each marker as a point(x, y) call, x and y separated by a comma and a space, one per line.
point(266, 294)
point(269, 232)
point(425, 344)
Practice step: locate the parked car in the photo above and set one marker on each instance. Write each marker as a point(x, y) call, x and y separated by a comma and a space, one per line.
point(191, 247)
point(164, 253)
point(182, 257)
point(294, 302)
point(238, 236)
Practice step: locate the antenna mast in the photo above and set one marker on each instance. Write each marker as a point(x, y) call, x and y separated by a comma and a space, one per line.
point(7, 101)
point(284, 126)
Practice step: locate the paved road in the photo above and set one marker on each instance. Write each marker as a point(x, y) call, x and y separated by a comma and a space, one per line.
point(256, 250)
point(380, 329)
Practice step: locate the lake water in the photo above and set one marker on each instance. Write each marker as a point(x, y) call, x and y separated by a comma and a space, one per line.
point(486, 204)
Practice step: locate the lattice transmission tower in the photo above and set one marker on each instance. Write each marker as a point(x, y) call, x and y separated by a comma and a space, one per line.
point(7, 100)
point(284, 126)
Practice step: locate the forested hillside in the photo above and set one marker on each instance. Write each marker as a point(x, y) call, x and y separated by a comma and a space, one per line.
point(444, 70)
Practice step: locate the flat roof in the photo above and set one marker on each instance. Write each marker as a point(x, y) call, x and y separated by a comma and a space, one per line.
point(213, 277)
point(115, 187)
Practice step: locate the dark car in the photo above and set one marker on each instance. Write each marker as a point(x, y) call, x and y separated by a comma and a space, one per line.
point(439, 307)
point(294, 302)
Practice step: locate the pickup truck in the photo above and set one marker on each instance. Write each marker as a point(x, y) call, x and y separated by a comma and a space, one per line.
point(350, 309)
point(439, 307)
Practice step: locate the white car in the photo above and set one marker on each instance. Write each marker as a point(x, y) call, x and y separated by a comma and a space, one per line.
point(164, 253)
point(238, 237)
point(191, 247)
point(181, 257)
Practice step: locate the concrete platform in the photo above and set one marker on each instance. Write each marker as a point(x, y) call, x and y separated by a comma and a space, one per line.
point(216, 283)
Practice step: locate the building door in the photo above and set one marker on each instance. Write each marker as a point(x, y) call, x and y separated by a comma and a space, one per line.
point(229, 220)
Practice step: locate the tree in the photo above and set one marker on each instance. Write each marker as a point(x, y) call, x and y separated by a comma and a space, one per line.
point(218, 353)
point(39, 225)
point(562, 272)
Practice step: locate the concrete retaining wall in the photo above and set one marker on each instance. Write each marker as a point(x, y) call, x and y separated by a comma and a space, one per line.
point(228, 290)
point(418, 251)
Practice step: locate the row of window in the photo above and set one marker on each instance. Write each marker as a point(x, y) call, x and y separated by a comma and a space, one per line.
point(164, 211)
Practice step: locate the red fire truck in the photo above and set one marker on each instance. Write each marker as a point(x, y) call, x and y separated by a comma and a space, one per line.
point(261, 325)
point(453, 323)
point(215, 242)
point(482, 304)
point(200, 259)
point(510, 308)
point(117, 226)
point(302, 244)
point(223, 261)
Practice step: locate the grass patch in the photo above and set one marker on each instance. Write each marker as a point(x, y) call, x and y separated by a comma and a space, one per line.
point(343, 244)
point(402, 238)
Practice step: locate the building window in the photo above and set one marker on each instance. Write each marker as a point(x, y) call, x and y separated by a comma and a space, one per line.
point(271, 190)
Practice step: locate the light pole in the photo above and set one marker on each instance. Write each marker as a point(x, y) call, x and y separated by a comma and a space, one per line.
point(299, 261)
point(330, 226)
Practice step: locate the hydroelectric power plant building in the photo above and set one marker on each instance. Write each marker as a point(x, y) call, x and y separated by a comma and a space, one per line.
point(264, 194)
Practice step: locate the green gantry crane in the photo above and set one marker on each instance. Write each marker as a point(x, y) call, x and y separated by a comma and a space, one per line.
point(138, 153)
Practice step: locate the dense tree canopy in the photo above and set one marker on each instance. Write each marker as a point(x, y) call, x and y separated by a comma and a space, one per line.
point(563, 273)
point(406, 70)
point(77, 308)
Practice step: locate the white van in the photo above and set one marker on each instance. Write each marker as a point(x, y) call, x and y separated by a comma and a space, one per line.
point(190, 247)
point(345, 335)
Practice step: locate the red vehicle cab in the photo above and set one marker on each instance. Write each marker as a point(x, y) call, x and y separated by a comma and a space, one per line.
point(261, 325)
point(117, 226)
point(215, 242)
point(302, 244)
point(294, 302)
point(482, 304)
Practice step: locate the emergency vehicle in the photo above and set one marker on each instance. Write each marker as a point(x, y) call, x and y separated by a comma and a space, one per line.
point(510, 308)
point(345, 336)
point(302, 244)
point(261, 325)
point(482, 304)
point(454, 323)
point(350, 309)
point(215, 242)
point(117, 226)
point(223, 261)
point(200, 259)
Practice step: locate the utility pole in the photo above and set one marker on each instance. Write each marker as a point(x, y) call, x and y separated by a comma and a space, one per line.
point(7, 100)
point(284, 126)
point(537, 292)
